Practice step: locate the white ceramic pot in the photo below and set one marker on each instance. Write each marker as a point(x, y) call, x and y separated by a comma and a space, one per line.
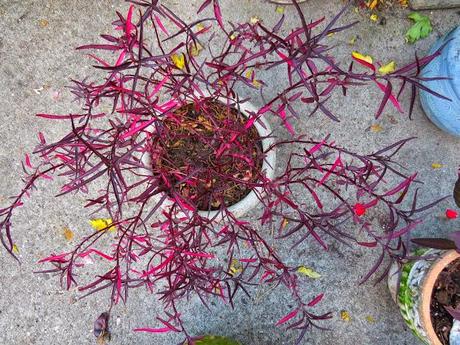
point(252, 199)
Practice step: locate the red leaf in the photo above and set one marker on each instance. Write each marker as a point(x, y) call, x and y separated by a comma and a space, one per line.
point(287, 317)
point(97, 252)
point(28, 161)
point(153, 330)
point(160, 24)
point(368, 244)
point(99, 46)
point(129, 25)
point(391, 96)
point(338, 162)
point(55, 258)
point(315, 300)
point(204, 5)
point(218, 14)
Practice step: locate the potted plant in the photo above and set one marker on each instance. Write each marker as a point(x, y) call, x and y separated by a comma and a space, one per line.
point(181, 148)
point(429, 288)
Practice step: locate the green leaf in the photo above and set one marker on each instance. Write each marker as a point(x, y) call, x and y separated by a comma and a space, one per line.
point(420, 29)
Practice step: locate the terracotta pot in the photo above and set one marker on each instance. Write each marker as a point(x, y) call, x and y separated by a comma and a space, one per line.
point(416, 287)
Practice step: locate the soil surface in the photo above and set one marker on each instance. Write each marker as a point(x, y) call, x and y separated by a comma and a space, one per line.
point(207, 155)
point(446, 293)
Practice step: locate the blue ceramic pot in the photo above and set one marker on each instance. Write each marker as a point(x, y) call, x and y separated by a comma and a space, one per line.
point(443, 113)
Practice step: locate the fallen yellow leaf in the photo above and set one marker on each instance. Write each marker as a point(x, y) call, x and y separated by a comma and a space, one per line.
point(309, 272)
point(254, 20)
point(370, 319)
point(100, 224)
point(249, 74)
point(43, 23)
point(15, 249)
point(279, 9)
point(352, 40)
point(345, 316)
point(388, 68)
point(195, 49)
point(68, 234)
point(199, 26)
point(376, 128)
point(374, 17)
point(359, 56)
point(373, 4)
point(436, 165)
point(178, 60)
point(235, 267)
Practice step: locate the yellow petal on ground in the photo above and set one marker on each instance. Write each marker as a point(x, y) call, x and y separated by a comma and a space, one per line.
point(15, 249)
point(370, 319)
point(235, 267)
point(195, 49)
point(437, 165)
point(178, 60)
point(279, 9)
point(254, 20)
point(68, 234)
point(388, 68)
point(309, 272)
point(250, 75)
point(199, 26)
point(345, 316)
point(256, 83)
point(43, 23)
point(374, 17)
point(376, 128)
point(100, 224)
point(330, 34)
point(404, 3)
point(359, 56)
point(352, 40)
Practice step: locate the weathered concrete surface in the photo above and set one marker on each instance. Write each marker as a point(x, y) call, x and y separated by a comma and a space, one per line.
point(430, 4)
point(37, 61)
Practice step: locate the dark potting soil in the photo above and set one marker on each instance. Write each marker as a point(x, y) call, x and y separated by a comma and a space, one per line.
point(190, 142)
point(446, 292)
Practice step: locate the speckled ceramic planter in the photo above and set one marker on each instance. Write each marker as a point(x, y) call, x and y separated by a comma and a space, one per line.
point(416, 287)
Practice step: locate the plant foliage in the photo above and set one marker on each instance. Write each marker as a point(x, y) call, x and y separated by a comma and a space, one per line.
point(153, 67)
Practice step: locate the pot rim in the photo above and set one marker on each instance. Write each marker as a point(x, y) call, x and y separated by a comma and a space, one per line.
point(427, 290)
point(268, 165)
